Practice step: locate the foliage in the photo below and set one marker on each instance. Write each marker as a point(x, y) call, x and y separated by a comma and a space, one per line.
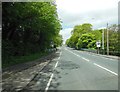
point(75, 40)
point(113, 40)
point(29, 27)
point(83, 36)
point(86, 41)
point(77, 32)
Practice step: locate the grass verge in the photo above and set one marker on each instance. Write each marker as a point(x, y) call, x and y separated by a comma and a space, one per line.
point(22, 59)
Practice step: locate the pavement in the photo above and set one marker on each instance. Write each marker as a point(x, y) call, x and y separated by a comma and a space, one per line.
point(17, 77)
point(71, 70)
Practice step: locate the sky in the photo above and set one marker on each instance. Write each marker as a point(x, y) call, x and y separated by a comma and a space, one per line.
point(96, 12)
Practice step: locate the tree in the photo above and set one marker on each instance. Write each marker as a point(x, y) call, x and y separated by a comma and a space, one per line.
point(86, 41)
point(83, 36)
point(29, 27)
point(77, 33)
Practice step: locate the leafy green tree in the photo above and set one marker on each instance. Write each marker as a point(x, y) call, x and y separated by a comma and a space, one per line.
point(29, 27)
point(83, 36)
point(77, 32)
point(113, 39)
point(86, 41)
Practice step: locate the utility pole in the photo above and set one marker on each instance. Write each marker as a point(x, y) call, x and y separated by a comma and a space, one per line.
point(107, 40)
point(103, 40)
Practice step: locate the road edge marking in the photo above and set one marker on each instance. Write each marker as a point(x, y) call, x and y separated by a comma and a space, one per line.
point(106, 69)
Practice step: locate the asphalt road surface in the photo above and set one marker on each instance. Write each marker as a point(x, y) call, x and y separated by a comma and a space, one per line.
point(70, 70)
point(78, 70)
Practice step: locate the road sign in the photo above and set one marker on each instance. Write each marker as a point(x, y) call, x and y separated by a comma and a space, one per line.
point(98, 44)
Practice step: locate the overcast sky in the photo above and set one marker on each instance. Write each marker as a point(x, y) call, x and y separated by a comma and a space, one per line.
point(96, 12)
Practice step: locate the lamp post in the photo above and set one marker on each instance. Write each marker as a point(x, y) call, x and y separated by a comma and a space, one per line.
point(107, 40)
point(103, 41)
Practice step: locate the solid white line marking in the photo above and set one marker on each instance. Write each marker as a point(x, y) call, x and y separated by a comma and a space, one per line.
point(46, 89)
point(93, 54)
point(107, 58)
point(102, 57)
point(106, 69)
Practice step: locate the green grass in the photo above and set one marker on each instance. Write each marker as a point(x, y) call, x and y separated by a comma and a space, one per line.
point(21, 59)
point(91, 49)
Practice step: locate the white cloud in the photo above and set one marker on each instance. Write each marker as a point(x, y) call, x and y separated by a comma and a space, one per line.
point(76, 6)
point(96, 12)
point(73, 12)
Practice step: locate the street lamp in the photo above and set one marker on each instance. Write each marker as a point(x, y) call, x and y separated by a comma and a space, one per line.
point(103, 40)
point(107, 40)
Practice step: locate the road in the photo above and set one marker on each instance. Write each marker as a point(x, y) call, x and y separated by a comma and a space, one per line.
point(78, 70)
point(69, 69)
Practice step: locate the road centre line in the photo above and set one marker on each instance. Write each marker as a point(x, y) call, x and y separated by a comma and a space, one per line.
point(106, 69)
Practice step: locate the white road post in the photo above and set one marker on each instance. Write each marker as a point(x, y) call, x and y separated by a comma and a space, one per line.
point(98, 44)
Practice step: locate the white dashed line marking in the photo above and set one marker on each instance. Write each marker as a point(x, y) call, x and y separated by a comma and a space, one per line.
point(85, 59)
point(48, 84)
point(56, 64)
point(106, 69)
point(95, 63)
point(60, 53)
point(78, 55)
